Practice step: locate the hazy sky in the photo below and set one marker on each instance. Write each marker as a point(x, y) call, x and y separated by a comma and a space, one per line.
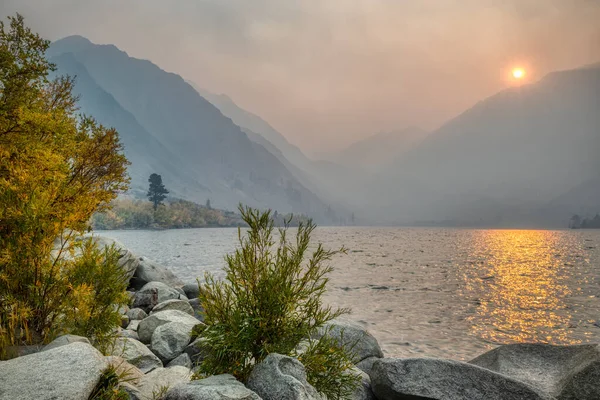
point(328, 72)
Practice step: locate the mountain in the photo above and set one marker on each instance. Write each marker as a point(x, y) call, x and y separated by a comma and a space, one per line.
point(379, 150)
point(203, 153)
point(504, 159)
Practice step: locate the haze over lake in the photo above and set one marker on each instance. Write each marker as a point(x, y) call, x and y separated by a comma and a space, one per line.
point(449, 293)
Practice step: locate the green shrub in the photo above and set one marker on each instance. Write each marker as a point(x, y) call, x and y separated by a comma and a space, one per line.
point(108, 388)
point(269, 302)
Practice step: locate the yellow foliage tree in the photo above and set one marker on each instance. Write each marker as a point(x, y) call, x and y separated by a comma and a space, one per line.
point(56, 169)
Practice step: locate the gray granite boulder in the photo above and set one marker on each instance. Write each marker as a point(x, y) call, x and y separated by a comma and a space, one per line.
point(197, 350)
point(127, 260)
point(136, 353)
point(152, 294)
point(192, 290)
point(133, 325)
point(150, 271)
point(128, 333)
point(147, 326)
point(174, 304)
point(181, 360)
point(198, 309)
point(564, 372)
point(65, 340)
point(129, 372)
point(218, 387)
point(431, 378)
point(363, 390)
point(169, 340)
point(280, 377)
point(353, 337)
point(367, 364)
point(68, 372)
point(136, 314)
point(162, 379)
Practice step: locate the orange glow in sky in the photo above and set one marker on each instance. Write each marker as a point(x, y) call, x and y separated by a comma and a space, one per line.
point(518, 73)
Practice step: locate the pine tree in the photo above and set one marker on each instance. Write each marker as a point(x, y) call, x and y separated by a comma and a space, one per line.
point(157, 191)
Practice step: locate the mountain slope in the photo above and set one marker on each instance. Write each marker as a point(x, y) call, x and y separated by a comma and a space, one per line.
point(514, 151)
point(379, 150)
point(205, 145)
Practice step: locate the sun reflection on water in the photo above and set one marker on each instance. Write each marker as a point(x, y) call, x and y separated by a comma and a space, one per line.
point(521, 284)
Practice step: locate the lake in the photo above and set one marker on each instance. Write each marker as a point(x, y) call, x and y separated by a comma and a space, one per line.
point(451, 293)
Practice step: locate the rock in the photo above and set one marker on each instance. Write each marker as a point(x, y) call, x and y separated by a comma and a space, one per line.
point(197, 350)
point(147, 326)
point(136, 353)
point(169, 340)
point(192, 290)
point(354, 338)
point(133, 325)
point(127, 371)
point(68, 372)
point(564, 372)
point(367, 364)
point(162, 379)
point(182, 360)
point(149, 271)
point(217, 387)
point(181, 305)
point(136, 314)
point(198, 309)
point(152, 294)
point(280, 377)
point(363, 390)
point(127, 260)
point(127, 333)
point(132, 392)
point(431, 378)
point(65, 340)
point(124, 321)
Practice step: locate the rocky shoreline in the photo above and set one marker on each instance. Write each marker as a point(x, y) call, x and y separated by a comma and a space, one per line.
point(157, 348)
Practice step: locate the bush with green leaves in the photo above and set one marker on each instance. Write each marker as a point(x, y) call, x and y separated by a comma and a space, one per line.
point(269, 302)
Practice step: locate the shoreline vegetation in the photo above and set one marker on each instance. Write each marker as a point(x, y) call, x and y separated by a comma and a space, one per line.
point(128, 213)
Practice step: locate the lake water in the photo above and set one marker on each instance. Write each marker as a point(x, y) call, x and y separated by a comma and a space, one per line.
point(451, 293)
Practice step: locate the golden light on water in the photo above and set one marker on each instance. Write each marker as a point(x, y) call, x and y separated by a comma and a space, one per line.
point(520, 300)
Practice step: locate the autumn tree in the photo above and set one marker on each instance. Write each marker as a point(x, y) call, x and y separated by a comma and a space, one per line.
point(156, 191)
point(56, 169)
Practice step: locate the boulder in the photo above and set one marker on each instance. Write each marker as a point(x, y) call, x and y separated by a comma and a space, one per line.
point(133, 392)
point(136, 314)
point(367, 364)
point(147, 326)
point(128, 333)
point(169, 340)
point(133, 325)
point(353, 337)
point(65, 340)
point(124, 321)
point(149, 271)
point(363, 390)
point(280, 377)
point(161, 379)
point(564, 372)
point(182, 360)
point(431, 378)
point(192, 290)
point(198, 309)
point(174, 304)
point(217, 387)
point(152, 294)
point(136, 353)
point(197, 350)
point(129, 373)
point(69, 372)
point(127, 260)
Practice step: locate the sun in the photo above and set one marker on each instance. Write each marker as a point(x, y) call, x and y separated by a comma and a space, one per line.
point(518, 73)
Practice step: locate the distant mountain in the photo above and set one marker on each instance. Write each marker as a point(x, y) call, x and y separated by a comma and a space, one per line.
point(504, 159)
point(167, 126)
point(379, 150)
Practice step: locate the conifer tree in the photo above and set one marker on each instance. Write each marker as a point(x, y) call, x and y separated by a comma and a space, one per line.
point(157, 191)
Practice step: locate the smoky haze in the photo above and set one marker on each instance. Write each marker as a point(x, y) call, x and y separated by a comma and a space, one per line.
point(328, 73)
